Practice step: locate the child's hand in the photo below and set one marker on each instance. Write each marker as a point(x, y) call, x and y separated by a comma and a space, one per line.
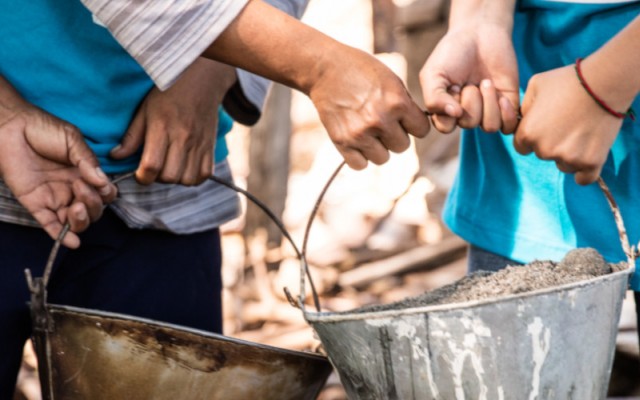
point(471, 79)
point(561, 122)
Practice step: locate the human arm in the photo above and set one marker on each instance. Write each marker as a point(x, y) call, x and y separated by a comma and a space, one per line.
point(471, 77)
point(561, 122)
point(48, 167)
point(364, 106)
point(178, 126)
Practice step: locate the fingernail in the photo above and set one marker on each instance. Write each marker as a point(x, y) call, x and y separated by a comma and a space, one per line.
point(486, 83)
point(82, 215)
point(105, 190)
point(455, 89)
point(116, 149)
point(100, 173)
point(449, 109)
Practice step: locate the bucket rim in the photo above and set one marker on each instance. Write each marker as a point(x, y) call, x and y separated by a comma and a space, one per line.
point(184, 329)
point(350, 315)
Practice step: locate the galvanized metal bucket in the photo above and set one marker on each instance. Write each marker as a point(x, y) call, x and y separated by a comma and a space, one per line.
point(555, 343)
point(88, 354)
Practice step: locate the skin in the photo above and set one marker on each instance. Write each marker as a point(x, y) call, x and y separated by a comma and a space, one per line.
point(471, 77)
point(48, 167)
point(178, 126)
point(364, 106)
point(579, 138)
point(471, 80)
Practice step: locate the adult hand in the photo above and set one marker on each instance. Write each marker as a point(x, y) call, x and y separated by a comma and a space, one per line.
point(365, 108)
point(561, 122)
point(178, 126)
point(50, 170)
point(471, 78)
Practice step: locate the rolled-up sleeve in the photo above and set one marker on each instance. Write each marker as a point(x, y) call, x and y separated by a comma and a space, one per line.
point(165, 36)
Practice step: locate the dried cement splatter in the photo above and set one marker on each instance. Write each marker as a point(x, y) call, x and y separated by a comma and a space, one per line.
point(578, 265)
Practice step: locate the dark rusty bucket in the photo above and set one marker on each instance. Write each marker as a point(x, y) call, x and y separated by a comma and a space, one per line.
point(97, 355)
point(88, 354)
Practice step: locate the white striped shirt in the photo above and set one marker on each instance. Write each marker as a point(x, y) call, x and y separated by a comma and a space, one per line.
point(165, 37)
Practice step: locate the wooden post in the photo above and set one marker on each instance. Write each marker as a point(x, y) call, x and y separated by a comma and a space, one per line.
point(269, 146)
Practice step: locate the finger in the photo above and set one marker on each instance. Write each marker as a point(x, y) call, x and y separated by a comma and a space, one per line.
point(510, 116)
point(395, 138)
point(192, 172)
point(443, 122)
point(132, 140)
point(522, 146)
point(78, 217)
point(153, 155)
point(89, 198)
point(207, 166)
point(77, 149)
point(175, 163)
point(566, 168)
point(471, 101)
point(438, 95)
point(99, 180)
point(52, 226)
point(415, 122)
point(372, 148)
point(354, 158)
point(587, 176)
point(491, 118)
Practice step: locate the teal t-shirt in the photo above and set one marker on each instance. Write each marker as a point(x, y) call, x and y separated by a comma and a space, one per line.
point(524, 208)
point(59, 59)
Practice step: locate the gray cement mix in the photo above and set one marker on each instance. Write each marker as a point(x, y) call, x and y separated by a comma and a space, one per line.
point(579, 264)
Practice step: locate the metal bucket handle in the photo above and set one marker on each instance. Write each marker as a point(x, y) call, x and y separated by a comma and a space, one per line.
point(631, 252)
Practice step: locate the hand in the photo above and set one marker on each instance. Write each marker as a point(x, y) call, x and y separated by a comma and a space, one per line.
point(561, 122)
point(51, 171)
point(471, 79)
point(178, 126)
point(365, 108)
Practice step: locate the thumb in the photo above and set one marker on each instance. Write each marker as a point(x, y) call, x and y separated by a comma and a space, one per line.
point(439, 95)
point(510, 111)
point(132, 140)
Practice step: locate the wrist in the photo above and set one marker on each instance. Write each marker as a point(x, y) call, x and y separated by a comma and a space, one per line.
point(11, 103)
point(471, 13)
point(608, 83)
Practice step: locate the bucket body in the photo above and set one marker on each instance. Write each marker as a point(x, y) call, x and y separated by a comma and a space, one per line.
point(554, 343)
point(96, 355)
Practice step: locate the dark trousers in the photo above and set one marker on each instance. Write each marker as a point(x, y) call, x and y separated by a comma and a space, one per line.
point(479, 259)
point(144, 273)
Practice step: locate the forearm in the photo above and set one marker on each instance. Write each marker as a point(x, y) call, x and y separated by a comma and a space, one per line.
point(268, 42)
point(216, 76)
point(466, 12)
point(613, 71)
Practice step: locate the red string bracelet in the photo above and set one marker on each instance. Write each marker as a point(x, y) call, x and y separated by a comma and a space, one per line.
point(630, 113)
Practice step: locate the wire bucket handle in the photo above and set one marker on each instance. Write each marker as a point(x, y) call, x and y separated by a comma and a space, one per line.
point(38, 286)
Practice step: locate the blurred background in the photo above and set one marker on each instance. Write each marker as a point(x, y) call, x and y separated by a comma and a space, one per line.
point(377, 236)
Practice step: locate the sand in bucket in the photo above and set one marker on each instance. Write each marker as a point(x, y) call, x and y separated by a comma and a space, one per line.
point(578, 265)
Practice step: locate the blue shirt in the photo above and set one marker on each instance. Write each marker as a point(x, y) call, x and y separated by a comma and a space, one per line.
point(524, 208)
point(60, 60)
